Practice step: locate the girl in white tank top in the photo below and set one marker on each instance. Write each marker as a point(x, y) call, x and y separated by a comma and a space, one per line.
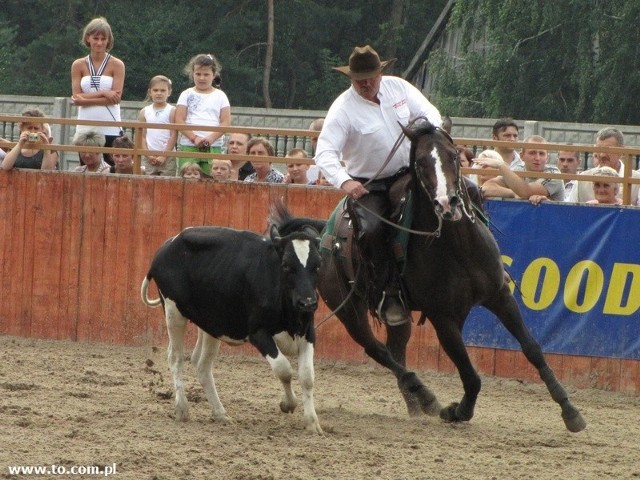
point(155, 138)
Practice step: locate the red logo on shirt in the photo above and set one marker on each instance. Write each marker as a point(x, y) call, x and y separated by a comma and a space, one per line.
point(400, 103)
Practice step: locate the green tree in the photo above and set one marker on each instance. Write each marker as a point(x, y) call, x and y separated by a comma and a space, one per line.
point(160, 37)
point(566, 61)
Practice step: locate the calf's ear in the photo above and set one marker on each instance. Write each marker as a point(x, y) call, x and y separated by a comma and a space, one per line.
point(274, 233)
point(276, 239)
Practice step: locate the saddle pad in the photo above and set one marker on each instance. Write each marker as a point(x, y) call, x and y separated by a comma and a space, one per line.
point(399, 244)
point(328, 238)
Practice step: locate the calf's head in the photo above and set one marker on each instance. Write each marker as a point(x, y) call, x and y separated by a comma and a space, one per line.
point(299, 264)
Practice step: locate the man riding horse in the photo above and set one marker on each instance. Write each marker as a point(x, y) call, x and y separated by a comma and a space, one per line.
point(361, 130)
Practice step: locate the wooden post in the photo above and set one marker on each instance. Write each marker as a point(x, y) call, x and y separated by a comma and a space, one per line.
point(137, 158)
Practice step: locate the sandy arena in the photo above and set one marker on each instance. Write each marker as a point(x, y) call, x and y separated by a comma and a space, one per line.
point(72, 404)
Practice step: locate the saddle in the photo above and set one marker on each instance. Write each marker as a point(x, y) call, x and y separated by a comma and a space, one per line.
point(339, 235)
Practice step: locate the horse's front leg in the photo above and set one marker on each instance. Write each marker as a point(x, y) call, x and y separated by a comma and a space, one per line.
point(506, 309)
point(397, 338)
point(416, 395)
point(450, 337)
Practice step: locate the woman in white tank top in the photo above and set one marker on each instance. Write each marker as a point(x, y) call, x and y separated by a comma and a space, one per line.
point(97, 81)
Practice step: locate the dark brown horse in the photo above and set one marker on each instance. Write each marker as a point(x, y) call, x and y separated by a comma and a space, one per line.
point(454, 265)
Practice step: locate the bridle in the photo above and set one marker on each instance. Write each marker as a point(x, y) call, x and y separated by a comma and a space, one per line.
point(461, 192)
point(461, 187)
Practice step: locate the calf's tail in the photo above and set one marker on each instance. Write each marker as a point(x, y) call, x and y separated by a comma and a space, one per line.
point(143, 293)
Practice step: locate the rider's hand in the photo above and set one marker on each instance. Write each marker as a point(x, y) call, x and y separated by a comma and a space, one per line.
point(354, 189)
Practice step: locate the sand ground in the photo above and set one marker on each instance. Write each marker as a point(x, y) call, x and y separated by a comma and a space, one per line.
point(78, 404)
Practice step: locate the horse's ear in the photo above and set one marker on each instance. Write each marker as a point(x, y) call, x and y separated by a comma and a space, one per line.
point(407, 131)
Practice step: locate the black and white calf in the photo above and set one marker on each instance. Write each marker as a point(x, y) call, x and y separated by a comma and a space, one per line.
point(238, 286)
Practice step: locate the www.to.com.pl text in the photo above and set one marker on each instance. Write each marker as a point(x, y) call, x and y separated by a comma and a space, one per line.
point(103, 471)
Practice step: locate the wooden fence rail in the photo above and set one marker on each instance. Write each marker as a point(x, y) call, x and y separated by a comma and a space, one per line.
point(292, 136)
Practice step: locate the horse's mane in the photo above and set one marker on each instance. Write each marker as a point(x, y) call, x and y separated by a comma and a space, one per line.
point(424, 127)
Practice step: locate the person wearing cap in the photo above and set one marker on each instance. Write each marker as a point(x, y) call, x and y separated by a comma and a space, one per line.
point(359, 132)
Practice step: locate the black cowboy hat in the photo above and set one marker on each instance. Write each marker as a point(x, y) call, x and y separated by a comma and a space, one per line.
point(364, 62)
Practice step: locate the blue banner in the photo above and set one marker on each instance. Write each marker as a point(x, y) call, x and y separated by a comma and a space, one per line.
point(577, 270)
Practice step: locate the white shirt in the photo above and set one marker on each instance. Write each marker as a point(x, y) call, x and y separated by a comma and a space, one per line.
point(583, 190)
point(203, 109)
point(362, 133)
point(517, 162)
point(157, 138)
point(110, 113)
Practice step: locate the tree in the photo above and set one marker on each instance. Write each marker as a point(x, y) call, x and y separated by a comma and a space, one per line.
point(552, 61)
point(268, 56)
point(309, 37)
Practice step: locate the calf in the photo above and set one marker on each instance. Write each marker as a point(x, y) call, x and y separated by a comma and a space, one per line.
point(238, 286)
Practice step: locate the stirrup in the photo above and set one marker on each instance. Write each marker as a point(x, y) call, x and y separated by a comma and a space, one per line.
point(394, 317)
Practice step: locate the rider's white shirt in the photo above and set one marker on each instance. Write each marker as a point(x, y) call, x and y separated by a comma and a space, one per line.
point(362, 133)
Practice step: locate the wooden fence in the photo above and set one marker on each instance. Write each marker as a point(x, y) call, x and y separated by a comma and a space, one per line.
point(75, 249)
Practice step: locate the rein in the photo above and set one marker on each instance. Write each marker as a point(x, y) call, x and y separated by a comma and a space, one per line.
point(436, 233)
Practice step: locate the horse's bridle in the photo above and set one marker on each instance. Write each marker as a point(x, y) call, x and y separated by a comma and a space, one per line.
point(459, 190)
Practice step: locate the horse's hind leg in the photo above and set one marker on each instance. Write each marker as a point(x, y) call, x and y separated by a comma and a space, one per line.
point(509, 314)
point(397, 339)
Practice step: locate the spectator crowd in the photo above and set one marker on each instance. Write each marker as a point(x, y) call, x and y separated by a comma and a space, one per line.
point(97, 82)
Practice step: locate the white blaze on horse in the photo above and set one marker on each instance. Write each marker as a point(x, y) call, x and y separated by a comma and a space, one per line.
point(238, 286)
point(452, 263)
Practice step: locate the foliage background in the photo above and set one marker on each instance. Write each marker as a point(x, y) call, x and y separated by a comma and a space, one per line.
point(39, 41)
point(562, 60)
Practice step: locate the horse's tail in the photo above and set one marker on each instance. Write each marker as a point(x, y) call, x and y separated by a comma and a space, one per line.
point(156, 302)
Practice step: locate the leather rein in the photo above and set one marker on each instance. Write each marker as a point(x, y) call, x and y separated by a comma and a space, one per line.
point(436, 233)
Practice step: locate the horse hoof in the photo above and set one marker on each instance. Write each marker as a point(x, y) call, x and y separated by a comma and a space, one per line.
point(448, 414)
point(431, 407)
point(413, 405)
point(574, 421)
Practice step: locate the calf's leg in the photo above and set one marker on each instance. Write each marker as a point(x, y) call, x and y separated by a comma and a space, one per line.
point(205, 351)
point(306, 376)
point(176, 326)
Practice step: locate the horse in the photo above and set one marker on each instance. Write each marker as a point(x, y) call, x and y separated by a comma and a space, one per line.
point(452, 263)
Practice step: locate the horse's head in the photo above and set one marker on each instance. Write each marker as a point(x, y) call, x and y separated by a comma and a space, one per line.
point(434, 162)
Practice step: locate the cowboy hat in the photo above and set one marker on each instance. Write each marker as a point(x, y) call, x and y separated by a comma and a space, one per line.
point(364, 62)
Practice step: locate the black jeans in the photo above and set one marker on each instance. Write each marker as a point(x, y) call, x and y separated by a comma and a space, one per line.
point(374, 236)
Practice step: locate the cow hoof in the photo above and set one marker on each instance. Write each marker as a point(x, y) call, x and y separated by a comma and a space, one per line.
point(182, 414)
point(223, 419)
point(315, 427)
point(287, 407)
